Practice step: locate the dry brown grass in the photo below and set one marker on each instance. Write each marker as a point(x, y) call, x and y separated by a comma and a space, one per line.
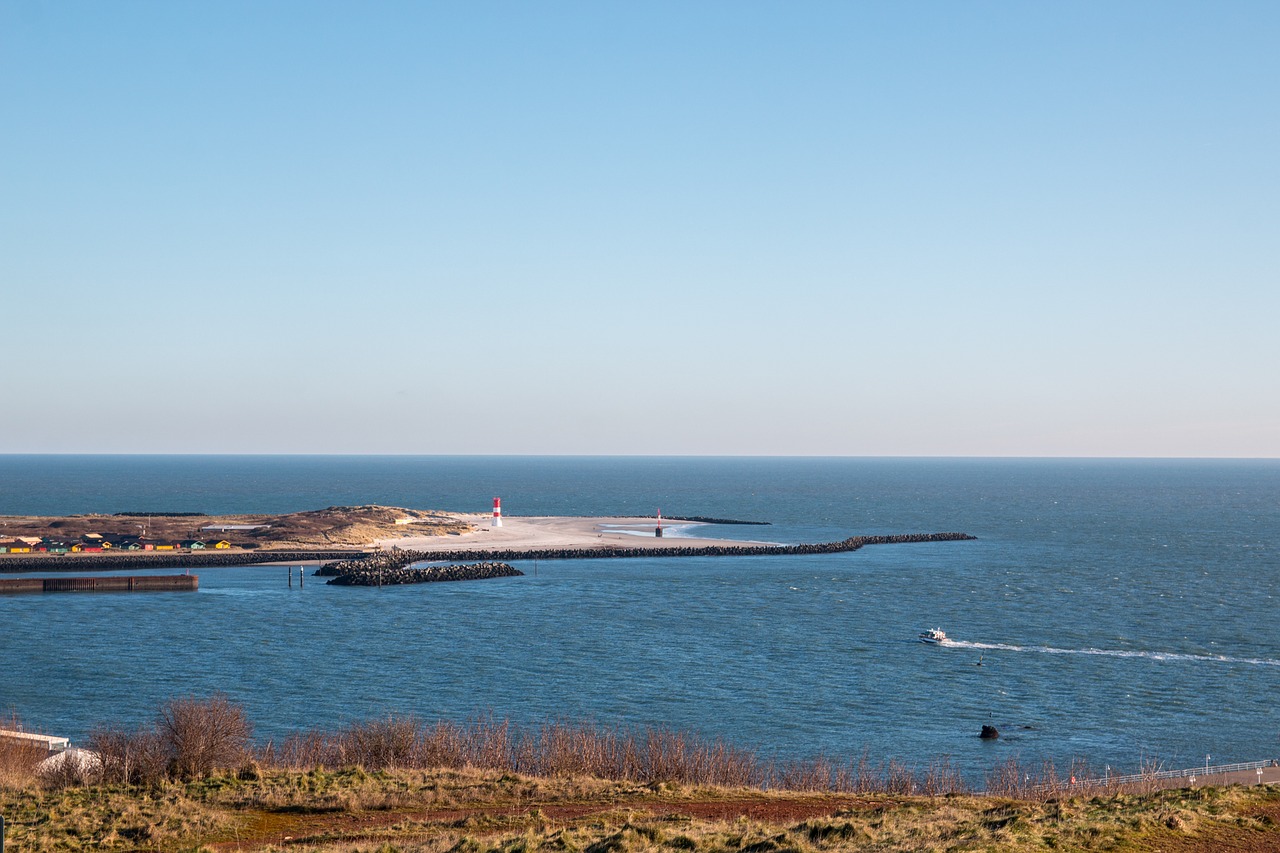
point(480, 811)
point(107, 818)
point(398, 784)
point(18, 759)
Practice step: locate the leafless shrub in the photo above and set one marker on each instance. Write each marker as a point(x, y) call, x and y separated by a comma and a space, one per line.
point(1008, 779)
point(203, 735)
point(814, 775)
point(1149, 769)
point(490, 744)
point(129, 758)
point(301, 751)
point(195, 737)
point(859, 777)
point(664, 756)
point(593, 751)
point(18, 760)
point(379, 744)
point(444, 745)
point(1012, 779)
point(1078, 780)
point(941, 778)
point(559, 749)
point(734, 767)
point(899, 778)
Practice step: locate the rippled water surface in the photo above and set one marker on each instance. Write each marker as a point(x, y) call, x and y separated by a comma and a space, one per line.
point(1120, 610)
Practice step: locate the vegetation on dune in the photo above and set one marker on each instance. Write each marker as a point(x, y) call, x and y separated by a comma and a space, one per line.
point(193, 780)
point(321, 528)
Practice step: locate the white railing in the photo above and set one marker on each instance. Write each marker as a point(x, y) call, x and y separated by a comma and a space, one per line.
point(1203, 772)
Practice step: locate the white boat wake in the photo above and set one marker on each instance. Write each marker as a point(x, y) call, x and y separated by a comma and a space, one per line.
point(1115, 653)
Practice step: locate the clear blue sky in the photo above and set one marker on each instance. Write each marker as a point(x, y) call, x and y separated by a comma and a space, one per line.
point(851, 228)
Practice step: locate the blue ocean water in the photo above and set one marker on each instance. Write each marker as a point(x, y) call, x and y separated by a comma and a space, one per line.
point(1123, 610)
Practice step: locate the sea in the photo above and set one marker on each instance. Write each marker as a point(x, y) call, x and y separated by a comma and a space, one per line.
point(1118, 612)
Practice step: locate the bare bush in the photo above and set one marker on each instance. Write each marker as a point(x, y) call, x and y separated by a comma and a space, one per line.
point(379, 744)
point(563, 749)
point(1149, 769)
point(490, 744)
point(129, 757)
point(18, 760)
point(203, 735)
point(733, 767)
point(1008, 779)
point(302, 751)
point(664, 755)
point(444, 745)
point(559, 749)
point(941, 778)
point(813, 775)
point(194, 737)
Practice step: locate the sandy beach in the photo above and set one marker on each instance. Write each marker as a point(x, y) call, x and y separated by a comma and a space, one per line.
point(560, 532)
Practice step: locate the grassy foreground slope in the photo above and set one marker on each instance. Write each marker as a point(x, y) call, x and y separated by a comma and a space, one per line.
point(194, 780)
point(474, 811)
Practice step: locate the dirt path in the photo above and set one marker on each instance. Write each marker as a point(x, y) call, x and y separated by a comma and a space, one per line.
point(292, 828)
point(287, 828)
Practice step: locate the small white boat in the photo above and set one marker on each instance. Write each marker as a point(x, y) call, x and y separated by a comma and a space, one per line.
point(935, 636)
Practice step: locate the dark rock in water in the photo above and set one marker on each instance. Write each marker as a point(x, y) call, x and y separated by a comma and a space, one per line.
point(989, 732)
point(385, 571)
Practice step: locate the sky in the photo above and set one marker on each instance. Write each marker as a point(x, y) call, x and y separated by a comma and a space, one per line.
point(715, 228)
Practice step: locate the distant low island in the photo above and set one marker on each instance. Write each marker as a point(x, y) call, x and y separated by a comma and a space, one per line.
point(353, 535)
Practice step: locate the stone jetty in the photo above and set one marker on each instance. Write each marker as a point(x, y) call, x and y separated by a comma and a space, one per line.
point(853, 543)
point(403, 557)
point(703, 519)
point(377, 572)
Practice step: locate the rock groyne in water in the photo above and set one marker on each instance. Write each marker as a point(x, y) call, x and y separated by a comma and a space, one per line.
point(853, 543)
point(374, 572)
point(703, 519)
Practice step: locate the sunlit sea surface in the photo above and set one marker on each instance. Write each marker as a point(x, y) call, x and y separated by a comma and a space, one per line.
point(1122, 611)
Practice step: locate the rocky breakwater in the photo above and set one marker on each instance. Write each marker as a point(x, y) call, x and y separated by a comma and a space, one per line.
point(393, 569)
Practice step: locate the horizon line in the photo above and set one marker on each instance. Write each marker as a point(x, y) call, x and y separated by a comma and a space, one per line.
point(938, 456)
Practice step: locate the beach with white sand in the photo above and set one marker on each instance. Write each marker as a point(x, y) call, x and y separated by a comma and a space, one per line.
point(562, 532)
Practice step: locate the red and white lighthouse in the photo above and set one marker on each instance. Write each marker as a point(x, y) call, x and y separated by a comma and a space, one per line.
point(497, 512)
